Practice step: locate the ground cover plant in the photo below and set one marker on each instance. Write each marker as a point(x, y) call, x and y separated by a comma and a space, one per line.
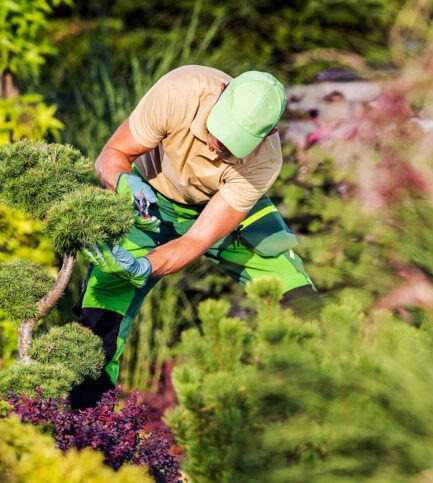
point(120, 435)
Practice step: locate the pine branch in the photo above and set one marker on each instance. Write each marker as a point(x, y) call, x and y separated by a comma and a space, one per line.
point(45, 304)
point(25, 331)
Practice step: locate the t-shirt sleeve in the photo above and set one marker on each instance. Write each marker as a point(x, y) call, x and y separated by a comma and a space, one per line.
point(149, 120)
point(246, 183)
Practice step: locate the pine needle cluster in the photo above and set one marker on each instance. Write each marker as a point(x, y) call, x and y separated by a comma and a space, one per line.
point(22, 284)
point(60, 359)
point(51, 183)
point(35, 175)
point(72, 345)
point(87, 216)
point(55, 380)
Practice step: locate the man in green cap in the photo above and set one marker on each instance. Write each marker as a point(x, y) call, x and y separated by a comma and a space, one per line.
point(196, 157)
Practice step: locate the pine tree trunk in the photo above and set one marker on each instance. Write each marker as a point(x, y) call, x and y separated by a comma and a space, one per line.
point(44, 305)
point(25, 331)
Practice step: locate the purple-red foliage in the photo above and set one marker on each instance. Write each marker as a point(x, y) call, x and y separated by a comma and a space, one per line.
point(120, 435)
point(159, 401)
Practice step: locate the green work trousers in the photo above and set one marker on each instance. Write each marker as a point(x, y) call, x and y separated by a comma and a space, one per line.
point(261, 246)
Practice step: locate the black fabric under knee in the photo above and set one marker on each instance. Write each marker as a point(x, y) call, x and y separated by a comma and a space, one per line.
point(90, 392)
point(304, 301)
point(105, 324)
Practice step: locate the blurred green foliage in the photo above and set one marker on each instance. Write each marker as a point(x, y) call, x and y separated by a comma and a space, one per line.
point(27, 116)
point(112, 52)
point(23, 51)
point(343, 397)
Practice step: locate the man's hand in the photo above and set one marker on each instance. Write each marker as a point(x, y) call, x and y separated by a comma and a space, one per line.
point(119, 262)
point(141, 194)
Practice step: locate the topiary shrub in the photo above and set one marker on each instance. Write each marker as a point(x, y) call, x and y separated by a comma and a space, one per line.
point(59, 359)
point(50, 182)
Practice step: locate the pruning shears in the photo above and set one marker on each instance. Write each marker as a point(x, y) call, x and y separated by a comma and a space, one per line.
point(142, 206)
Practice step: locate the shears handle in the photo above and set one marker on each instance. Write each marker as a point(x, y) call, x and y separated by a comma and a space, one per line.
point(142, 206)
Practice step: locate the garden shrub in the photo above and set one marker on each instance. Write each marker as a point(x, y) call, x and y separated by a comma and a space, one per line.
point(27, 456)
point(60, 359)
point(119, 434)
point(344, 397)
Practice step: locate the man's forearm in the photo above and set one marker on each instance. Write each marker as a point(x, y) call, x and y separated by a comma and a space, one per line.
point(117, 155)
point(217, 220)
point(110, 164)
point(174, 255)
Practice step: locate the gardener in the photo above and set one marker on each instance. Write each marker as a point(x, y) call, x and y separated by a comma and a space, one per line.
point(202, 149)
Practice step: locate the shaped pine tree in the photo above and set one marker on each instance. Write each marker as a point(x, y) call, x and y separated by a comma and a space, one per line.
point(50, 183)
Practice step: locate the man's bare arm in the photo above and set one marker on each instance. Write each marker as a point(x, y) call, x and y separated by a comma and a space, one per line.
point(217, 220)
point(117, 155)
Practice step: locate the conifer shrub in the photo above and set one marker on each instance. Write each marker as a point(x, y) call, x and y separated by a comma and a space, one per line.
point(59, 359)
point(35, 175)
point(342, 397)
point(23, 283)
point(51, 183)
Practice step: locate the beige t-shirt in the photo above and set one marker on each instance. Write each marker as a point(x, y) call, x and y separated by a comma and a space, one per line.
point(171, 118)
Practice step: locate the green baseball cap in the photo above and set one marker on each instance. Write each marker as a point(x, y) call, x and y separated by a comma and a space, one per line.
point(247, 110)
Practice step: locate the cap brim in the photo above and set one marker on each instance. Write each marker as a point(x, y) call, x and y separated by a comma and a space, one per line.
point(239, 142)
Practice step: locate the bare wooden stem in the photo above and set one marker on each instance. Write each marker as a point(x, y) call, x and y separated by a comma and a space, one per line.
point(25, 338)
point(44, 305)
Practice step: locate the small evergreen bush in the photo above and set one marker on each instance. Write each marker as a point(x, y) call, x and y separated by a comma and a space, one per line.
point(345, 397)
point(50, 182)
point(59, 359)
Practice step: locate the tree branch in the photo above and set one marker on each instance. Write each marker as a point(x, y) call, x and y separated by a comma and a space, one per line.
point(45, 304)
point(25, 338)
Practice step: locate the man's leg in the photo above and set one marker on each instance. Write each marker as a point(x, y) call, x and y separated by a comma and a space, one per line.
point(105, 324)
point(262, 246)
point(109, 305)
point(304, 302)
